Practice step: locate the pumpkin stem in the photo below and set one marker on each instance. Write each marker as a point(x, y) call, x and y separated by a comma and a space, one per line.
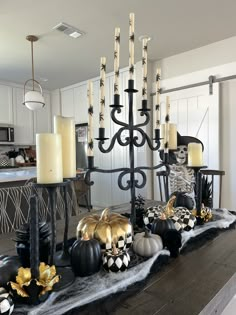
point(169, 210)
point(147, 233)
point(85, 236)
point(163, 216)
point(114, 249)
point(105, 214)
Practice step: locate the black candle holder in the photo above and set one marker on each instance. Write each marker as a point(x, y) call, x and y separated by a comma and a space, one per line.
point(51, 189)
point(131, 142)
point(198, 192)
point(67, 276)
point(62, 258)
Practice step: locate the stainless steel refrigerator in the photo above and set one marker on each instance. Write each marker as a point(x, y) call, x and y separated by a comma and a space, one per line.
point(81, 140)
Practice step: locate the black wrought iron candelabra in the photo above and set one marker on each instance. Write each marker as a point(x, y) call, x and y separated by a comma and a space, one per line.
point(131, 141)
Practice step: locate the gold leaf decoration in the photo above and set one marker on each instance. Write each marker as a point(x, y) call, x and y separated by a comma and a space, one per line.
point(24, 276)
point(206, 213)
point(20, 291)
point(47, 279)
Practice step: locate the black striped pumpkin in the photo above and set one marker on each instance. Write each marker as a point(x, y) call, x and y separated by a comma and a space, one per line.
point(161, 225)
point(86, 256)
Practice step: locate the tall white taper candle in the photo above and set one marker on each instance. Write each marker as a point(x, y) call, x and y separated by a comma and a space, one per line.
point(102, 91)
point(172, 144)
point(131, 45)
point(158, 102)
point(117, 60)
point(65, 126)
point(90, 118)
point(167, 125)
point(144, 68)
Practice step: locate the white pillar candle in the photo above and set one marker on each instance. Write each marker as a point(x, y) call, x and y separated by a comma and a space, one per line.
point(167, 125)
point(90, 118)
point(49, 158)
point(102, 91)
point(117, 60)
point(131, 45)
point(158, 103)
point(65, 126)
point(144, 68)
point(172, 136)
point(195, 156)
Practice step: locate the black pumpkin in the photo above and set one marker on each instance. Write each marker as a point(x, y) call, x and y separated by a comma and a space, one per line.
point(86, 256)
point(172, 240)
point(8, 269)
point(183, 200)
point(161, 225)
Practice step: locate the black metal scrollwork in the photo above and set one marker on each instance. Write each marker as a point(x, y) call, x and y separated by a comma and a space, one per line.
point(132, 177)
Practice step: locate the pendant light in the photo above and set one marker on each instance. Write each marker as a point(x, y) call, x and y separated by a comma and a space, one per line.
point(33, 100)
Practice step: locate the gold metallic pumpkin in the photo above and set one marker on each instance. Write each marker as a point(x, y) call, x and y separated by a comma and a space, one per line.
point(107, 228)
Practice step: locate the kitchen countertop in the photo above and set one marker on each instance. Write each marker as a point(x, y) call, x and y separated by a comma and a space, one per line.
point(21, 174)
point(17, 174)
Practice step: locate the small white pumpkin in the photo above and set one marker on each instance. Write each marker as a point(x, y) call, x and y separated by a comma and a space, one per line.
point(147, 244)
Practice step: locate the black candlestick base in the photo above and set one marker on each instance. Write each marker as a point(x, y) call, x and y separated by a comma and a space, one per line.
point(67, 278)
point(62, 258)
point(157, 135)
point(198, 191)
point(101, 134)
point(144, 107)
point(131, 88)
point(51, 188)
point(116, 102)
point(91, 163)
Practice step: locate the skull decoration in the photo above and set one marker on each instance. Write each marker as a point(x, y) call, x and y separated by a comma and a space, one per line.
point(181, 154)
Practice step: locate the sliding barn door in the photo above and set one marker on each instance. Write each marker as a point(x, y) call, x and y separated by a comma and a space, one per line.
point(196, 114)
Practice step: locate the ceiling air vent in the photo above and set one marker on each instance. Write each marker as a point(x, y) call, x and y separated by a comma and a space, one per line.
point(68, 30)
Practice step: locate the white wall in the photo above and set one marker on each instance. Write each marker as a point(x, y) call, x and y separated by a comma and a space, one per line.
point(218, 59)
point(208, 56)
point(228, 142)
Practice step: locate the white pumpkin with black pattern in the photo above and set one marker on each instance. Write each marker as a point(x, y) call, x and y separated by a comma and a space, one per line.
point(122, 243)
point(183, 219)
point(6, 303)
point(151, 214)
point(115, 260)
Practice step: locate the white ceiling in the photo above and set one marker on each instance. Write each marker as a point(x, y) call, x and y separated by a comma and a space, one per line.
point(175, 26)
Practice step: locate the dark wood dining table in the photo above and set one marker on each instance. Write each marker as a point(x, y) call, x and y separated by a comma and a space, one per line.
point(200, 281)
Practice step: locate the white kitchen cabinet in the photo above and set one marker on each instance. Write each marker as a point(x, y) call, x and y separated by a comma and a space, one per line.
point(55, 105)
point(80, 104)
point(23, 119)
point(6, 104)
point(67, 102)
point(42, 117)
point(74, 103)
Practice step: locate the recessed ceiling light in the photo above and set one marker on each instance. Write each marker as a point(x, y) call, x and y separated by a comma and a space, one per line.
point(75, 34)
point(68, 30)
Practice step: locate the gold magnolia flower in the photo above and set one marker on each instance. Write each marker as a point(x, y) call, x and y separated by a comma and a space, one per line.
point(22, 279)
point(47, 279)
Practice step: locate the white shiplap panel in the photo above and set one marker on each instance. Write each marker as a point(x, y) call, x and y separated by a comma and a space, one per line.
point(198, 116)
